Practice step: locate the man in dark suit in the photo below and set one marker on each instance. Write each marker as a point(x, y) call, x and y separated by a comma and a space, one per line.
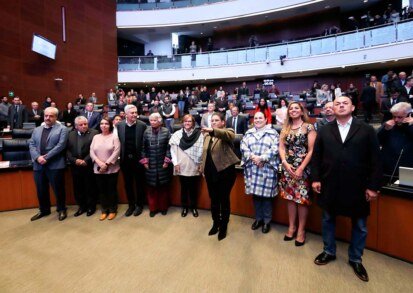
point(243, 91)
point(204, 95)
point(221, 103)
point(17, 114)
point(130, 132)
point(35, 115)
point(78, 155)
point(368, 100)
point(93, 118)
point(346, 173)
point(47, 147)
point(390, 102)
point(406, 91)
point(237, 122)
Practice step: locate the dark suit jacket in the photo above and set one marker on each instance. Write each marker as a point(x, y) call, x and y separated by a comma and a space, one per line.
point(22, 116)
point(140, 129)
point(69, 117)
point(94, 121)
point(73, 153)
point(241, 124)
point(32, 119)
point(386, 106)
point(404, 93)
point(347, 169)
point(368, 95)
point(219, 103)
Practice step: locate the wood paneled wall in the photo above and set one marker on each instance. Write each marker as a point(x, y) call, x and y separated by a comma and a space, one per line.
point(87, 61)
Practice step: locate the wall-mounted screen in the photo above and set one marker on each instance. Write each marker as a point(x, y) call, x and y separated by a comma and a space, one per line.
point(44, 47)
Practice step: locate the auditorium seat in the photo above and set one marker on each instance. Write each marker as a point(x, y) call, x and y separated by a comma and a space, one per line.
point(16, 150)
point(21, 133)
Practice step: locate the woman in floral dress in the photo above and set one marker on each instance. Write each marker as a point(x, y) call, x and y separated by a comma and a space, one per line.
point(296, 147)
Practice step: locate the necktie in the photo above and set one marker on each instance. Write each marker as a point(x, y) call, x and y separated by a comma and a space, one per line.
point(234, 124)
point(89, 114)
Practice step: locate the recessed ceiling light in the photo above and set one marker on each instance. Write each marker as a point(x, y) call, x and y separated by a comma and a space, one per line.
point(365, 1)
point(215, 26)
point(395, 60)
point(202, 33)
point(327, 7)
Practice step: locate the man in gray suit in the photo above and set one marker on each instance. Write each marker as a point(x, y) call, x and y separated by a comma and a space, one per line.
point(47, 147)
point(17, 114)
point(130, 132)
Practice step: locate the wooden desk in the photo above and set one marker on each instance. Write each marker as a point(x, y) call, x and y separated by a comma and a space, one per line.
point(389, 225)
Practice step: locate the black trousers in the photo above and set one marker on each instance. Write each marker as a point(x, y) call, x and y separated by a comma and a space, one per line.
point(55, 178)
point(368, 108)
point(219, 189)
point(189, 194)
point(108, 192)
point(84, 187)
point(134, 178)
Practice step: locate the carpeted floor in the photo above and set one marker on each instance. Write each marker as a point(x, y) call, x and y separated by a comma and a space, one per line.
point(174, 254)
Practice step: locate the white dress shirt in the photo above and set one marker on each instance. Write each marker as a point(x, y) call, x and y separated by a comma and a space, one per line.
point(344, 129)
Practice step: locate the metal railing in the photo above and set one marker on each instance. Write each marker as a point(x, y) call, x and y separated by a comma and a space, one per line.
point(380, 35)
point(128, 5)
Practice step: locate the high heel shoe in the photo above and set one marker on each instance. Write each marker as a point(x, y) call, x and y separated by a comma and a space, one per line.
point(289, 238)
point(298, 243)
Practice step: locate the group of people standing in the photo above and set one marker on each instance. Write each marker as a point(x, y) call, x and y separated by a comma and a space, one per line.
point(344, 150)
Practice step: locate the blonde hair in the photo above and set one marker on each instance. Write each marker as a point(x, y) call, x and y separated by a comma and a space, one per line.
point(289, 122)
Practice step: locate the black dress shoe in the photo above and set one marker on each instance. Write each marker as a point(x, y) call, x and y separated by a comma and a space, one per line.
point(152, 214)
point(129, 211)
point(39, 216)
point(137, 211)
point(62, 215)
point(222, 233)
point(359, 270)
point(214, 230)
point(164, 213)
point(288, 238)
point(324, 258)
point(195, 213)
point(90, 212)
point(79, 212)
point(266, 228)
point(184, 212)
point(257, 224)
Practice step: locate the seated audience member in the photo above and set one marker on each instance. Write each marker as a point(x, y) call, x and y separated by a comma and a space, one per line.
point(35, 115)
point(186, 152)
point(93, 118)
point(47, 103)
point(237, 103)
point(93, 99)
point(206, 117)
point(69, 115)
point(328, 116)
point(236, 122)
point(263, 107)
point(218, 166)
point(387, 104)
point(130, 133)
point(243, 91)
point(406, 91)
point(259, 149)
point(157, 162)
point(80, 100)
point(4, 109)
point(78, 155)
point(281, 112)
point(167, 113)
point(156, 107)
point(323, 95)
point(274, 91)
point(104, 152)
point(47, 146)
point(221, 104)
point(17, 114)
point(396, 139)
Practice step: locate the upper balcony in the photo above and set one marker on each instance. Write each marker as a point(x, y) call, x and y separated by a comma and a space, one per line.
point(127, 5)
point(230, 11)
point(365, 47)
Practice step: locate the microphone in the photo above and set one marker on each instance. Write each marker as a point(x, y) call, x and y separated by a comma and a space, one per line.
point(395, 167)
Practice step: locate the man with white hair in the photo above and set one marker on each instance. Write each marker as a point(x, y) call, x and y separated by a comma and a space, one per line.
point(47, 146)
point(130, 132)
point(396, 139)
point(35, 114)
point(81, 165)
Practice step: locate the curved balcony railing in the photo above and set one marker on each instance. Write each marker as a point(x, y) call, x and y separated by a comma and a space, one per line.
point(382, 35)
point(127, 5)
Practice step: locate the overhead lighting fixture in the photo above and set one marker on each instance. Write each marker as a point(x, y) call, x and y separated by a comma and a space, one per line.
point(202, 33)
point(327, 7)
point(365, 1)
point(395, 60)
